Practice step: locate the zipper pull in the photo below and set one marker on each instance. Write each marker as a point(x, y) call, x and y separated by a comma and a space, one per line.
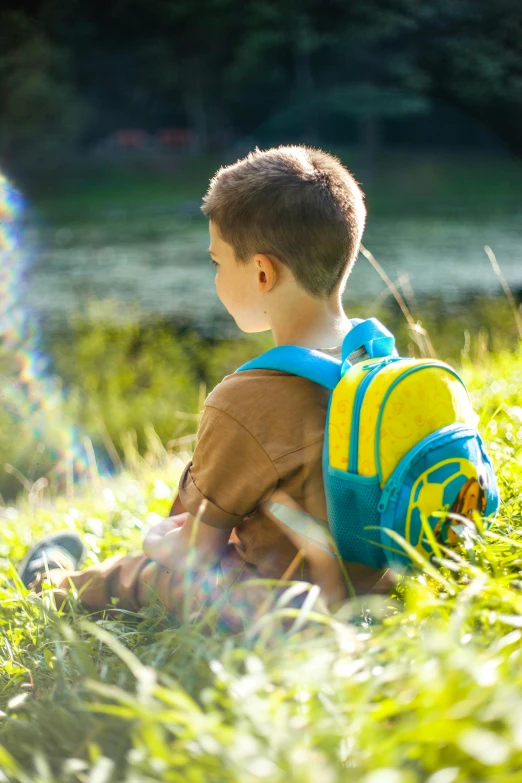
point(382, 363)
point(388, 493)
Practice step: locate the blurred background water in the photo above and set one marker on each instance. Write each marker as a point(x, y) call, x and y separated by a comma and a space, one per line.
point(161, 263)
point(138, 236)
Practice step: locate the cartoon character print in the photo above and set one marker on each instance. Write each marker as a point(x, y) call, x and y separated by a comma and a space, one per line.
point(470, 499)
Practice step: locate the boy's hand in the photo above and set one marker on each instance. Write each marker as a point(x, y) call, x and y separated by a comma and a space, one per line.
point(156, 534)
point(170, 542)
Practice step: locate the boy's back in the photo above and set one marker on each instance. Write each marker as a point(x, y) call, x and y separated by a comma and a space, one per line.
point(261, 430)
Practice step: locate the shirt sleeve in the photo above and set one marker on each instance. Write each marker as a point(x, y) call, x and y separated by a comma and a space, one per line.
point(229, 469)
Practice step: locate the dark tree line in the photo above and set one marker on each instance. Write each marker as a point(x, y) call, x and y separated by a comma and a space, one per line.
point(72, 72)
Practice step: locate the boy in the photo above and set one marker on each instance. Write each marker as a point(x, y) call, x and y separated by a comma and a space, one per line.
point(285, 227)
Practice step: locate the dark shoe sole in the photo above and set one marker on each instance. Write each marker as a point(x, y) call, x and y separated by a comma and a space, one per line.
point(70, 542)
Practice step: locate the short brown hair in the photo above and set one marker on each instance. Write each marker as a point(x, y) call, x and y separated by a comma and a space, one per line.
point(297, 203)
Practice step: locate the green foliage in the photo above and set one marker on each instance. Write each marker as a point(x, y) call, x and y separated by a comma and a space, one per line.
point(119, 378)
point(431, 185)
point(218, 67)
point(41, 116)
point(126, 375)
point(423, 685)
point(30, 427)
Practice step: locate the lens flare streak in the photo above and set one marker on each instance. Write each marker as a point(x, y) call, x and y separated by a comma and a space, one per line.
point(29, 391)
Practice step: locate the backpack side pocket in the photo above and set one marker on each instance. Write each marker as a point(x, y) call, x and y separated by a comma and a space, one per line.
point(352, 502)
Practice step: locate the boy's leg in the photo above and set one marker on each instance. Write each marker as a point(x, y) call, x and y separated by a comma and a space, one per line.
point(136, 582)
point(133, 580)
point(97, 586)
point(125, 582)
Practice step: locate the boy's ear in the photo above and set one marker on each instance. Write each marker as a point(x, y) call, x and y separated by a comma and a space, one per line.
point(267, 272)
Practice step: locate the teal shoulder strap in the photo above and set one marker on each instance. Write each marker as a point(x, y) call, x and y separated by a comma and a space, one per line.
point(321, 368)
point(294, 359)
point(371, 335)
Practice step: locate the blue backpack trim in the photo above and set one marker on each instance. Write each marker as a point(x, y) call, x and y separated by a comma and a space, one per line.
point(294, 359)
point(314, 365)
point(373, 336)
point(400, 378)
point(451, 443)
point(355, 543)
point(359, 399)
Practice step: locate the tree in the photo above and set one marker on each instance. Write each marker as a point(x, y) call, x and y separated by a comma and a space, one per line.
point(470, 53)
point(41, 116)
point(186, 57)
point(339, 60)
point(213, 64)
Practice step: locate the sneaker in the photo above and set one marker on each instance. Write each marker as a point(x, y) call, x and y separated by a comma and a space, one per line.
point(59, 550)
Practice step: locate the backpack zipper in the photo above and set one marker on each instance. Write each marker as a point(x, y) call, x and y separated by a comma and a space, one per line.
point(397, 380)
point(359, 397)
point(391, 490)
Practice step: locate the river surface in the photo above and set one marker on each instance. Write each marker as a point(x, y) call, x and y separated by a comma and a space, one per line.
point(159, 265)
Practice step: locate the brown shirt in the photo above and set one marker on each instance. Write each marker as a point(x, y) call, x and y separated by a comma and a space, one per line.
point(260, 429)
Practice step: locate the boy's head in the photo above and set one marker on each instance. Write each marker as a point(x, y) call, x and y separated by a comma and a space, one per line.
point(295, 207)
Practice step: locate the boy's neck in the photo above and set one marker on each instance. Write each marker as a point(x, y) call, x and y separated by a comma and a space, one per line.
point(310, 322)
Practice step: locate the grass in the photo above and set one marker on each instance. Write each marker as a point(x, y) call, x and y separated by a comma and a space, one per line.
point(405, 183)
point(423, 685)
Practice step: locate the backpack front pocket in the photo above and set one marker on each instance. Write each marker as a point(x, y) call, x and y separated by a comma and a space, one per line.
point(445, 480)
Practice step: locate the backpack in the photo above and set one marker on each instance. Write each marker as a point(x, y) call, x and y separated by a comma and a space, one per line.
point(401, 449)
